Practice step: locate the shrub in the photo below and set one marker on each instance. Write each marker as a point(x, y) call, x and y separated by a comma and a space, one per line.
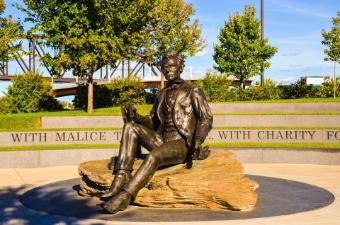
point(218, 89)
point(215, 86)
point(118, 92)
point(130, 89)
point(268, 92)
point(30, 93)
point(327, 91)
point(150, 95)
point(300, 90)
point(4, 105)
point(101, 97)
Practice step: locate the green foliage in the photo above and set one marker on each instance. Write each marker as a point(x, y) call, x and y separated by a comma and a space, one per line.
point(172, 29)
point(129, 89)
point(241, 51)
point(216, 87)
point(301, 90)
point(327, 90)
point(267, 92)
point(332, 40)
point(89, 34)
point(30, 93)
point(9, 31)
point(4, 105)
point(116, 93)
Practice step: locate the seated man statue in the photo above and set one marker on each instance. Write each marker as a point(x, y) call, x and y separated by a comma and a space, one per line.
point(177, 126)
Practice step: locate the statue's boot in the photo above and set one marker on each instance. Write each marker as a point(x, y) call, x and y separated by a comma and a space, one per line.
point(121, 178)
point(118, 203)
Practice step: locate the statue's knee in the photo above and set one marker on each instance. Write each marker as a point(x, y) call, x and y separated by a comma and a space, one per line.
point(129, 126)
point(154, 157)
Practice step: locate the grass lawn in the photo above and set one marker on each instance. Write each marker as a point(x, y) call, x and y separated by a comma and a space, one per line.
point(31, 121)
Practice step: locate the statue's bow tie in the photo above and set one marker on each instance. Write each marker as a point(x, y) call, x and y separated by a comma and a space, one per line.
point(174, 85)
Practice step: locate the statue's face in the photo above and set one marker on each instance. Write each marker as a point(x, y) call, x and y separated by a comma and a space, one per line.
point(171, 68)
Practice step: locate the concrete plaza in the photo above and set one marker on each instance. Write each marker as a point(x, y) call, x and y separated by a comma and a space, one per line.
point(14, 182)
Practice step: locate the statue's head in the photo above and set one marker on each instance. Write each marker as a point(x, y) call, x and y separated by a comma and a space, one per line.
point(172, 65)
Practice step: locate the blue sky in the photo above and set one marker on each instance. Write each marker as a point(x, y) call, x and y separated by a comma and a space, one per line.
point(293, 26)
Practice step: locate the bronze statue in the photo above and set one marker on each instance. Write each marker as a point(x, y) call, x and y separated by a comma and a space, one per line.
point(178, 124)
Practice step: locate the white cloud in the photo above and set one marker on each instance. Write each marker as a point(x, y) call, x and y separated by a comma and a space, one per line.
point(203, 52)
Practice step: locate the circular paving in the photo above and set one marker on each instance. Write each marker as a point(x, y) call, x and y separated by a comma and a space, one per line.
point(276, 197)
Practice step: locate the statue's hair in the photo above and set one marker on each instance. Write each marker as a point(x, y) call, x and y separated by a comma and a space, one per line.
point(175, 55)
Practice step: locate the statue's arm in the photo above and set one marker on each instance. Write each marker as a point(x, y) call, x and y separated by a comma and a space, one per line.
point(204, 115)
point(150, 120)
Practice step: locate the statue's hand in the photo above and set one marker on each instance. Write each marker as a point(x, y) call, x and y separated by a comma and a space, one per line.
point(200, 153)
point(128, 112)
point(198, 144)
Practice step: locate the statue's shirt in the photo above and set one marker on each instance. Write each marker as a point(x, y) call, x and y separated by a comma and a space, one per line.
point(170, 132)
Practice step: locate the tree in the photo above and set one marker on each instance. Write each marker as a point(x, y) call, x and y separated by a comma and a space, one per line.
point(172, 29)
point(332, 42)
point(89, 34)
point(241, 51)
point(9, 31)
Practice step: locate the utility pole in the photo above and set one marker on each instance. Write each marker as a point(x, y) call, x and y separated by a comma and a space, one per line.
point(262, 37)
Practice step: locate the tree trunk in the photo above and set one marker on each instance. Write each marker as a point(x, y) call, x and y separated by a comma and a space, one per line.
point(90, 94)
point(242, 85)
point(162, 81)
point(335, 84)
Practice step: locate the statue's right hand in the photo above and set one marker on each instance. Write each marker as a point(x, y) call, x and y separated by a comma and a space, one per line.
point(128, 112)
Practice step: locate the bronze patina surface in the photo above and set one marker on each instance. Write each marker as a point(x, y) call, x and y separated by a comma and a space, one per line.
point(178, 124)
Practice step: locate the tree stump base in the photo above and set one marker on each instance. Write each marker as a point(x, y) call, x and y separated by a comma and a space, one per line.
point(217, 182)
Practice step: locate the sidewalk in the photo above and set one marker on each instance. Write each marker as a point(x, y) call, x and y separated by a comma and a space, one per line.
point(14, 182)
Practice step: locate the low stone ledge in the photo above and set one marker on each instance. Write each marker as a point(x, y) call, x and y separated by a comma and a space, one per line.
point(215, 136)
point(219, 120)
point(275, 107)
point(46, 158)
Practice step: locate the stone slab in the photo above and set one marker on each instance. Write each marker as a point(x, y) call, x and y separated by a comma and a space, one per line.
point(277, 120)
point(288, 155)
point(29, 159)
point(276, 197)
point(275, 107)
point(215, 136)
point(46, 158)
point(60, 137)
point(219, 121)
point(19, 159)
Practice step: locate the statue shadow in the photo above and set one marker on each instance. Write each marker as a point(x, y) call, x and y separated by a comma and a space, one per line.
point(276, 197)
